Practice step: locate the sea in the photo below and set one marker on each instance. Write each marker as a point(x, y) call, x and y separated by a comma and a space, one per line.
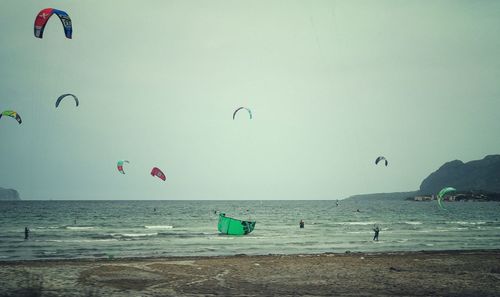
point(118, 229)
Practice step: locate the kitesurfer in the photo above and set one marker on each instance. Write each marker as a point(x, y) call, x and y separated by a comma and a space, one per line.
point(376, 230)
point(301, 224)
point(26, 232)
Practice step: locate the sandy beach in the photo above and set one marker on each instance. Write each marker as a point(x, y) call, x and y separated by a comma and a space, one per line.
point(447, 273)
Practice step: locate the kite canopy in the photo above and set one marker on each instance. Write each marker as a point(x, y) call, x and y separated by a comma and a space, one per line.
point(64, 96)
point(43, 17)
point(443, 193)
point(12, 114)
point(380, 159)
point(236, 111)
point(119, 165)
point(232, 226)
point(157, 172)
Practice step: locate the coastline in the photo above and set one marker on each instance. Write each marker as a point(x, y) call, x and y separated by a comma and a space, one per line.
point(443, 273)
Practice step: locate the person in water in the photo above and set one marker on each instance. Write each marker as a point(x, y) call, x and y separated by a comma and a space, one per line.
point(301, 224)
point(26, 232)
point(376, 230)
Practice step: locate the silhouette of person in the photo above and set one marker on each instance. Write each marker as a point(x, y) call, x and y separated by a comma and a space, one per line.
point(376, 230)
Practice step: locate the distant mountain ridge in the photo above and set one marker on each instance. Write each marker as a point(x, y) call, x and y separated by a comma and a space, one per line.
point(478, 175)
point(9, 194)
point(385, 196)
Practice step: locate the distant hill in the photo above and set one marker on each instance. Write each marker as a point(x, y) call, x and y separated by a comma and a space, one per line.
point(385, 196)
point(481, 176)
point(9, 194)
point(478, 175)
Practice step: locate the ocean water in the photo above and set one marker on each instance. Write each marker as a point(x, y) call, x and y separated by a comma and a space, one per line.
point(114, 229)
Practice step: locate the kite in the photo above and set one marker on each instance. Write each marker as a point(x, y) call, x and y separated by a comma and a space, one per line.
point(232, 226)
point(236, 111)
point(119, 165)
point(12, 114)
point(43, 17)
point(157, 172)
point(64, 96)
point(380, 159)
point(443, 193)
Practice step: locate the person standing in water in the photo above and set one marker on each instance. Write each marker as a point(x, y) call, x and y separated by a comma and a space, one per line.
point(376, 230)
point(301, 224)
point(26, 232)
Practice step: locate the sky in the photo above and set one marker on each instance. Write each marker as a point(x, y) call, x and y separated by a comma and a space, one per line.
point(331, 84)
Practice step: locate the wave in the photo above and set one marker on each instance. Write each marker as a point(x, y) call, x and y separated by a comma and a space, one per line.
point(80, 228)
point(77, 240)
point(132, 235)
point(413, 223)
point(186, 235)
point(138, 234)
point(102, 236)
point(159, 227)
point(468, 223)
point(354, 223)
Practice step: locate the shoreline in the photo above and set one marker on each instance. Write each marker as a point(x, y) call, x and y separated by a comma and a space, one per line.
point(174, 258)
point(420, 273)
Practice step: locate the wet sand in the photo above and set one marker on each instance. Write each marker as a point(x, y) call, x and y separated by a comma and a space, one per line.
point(446, 273)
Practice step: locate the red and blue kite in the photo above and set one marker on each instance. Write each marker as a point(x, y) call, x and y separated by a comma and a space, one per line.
point(43, 17)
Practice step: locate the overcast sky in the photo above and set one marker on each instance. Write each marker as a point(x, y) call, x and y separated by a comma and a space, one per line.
point(331, 84)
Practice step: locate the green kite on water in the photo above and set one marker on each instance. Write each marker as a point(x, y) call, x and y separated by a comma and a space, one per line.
point(232, 226)
point(442, 193)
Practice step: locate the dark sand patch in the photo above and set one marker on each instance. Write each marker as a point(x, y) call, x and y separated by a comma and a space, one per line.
point(472, 273)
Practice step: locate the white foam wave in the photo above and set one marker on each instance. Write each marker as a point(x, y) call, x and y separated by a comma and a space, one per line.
point(469, 223)
point(79, 228)
point(159, 227)
point(138, 234)
point(413, 223)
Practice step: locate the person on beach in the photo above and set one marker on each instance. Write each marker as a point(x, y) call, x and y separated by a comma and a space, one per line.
point(376, 230)
point(26, 232)
point(301, 224)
